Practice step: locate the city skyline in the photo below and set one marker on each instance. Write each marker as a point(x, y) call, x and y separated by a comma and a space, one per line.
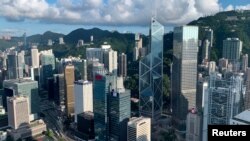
point(63, 16)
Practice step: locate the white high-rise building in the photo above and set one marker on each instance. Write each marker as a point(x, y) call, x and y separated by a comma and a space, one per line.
point(110, 61)
point(83, 93)
point(135, 54)
point(244, 62)
point(139, 129)
point(34, 57)
point(211, 67)
point(61, 41)
point(18, 111)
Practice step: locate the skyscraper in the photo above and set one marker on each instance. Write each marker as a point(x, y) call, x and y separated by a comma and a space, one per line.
point(69, 78)
point(12, 64)
point(244, 63)
point(119, 113)
point(151, 73)
point(59, 89)
point(85, 126)
point(184, 70)
point(83, 93)
point(34, 57)
point(103, 84)
point(18, 111)
point(139, 129)
point(47, 60)
point(122, 65)
point(110, 61)
point(23, 87)
point(232, 48)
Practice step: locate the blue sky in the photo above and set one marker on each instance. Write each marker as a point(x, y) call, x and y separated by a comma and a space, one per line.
point(63, 16)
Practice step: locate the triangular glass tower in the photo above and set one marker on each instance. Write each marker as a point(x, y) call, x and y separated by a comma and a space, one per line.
point(151, 74)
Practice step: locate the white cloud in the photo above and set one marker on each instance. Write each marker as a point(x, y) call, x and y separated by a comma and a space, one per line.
point(243, 7)
point(108, 12)
point(229, 8)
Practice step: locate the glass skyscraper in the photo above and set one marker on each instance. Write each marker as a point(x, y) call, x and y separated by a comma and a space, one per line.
point(151, 73)
point(184, 70)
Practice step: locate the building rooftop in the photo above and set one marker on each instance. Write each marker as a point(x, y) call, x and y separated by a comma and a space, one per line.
point(83, 82)
point(137, 120)
point(21, 80)
point(244, 116)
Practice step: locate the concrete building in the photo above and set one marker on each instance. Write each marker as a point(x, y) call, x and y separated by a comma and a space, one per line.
point(205, 50)
point(34, 57)
point(139, 129)
point(34, 129)
point(193, 131)
point(50, 42)
point(69, 79)
point(151, 74)
point(94, 53)
point(122, 65)
point(23, 87)
point(232, 48)
point(135, 54)
point(184, 71)
point(211, 67)
point(18, 112)
point(83, 93)
point(244, 63)
point(223, 64)
point(61, 41)
point(241, 119)
point(110, 61)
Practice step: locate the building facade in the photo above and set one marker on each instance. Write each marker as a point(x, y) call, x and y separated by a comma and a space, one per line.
point(151, 74)
point(69, 79)
point(184, 70)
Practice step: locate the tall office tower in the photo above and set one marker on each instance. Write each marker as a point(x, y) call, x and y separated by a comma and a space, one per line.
point(139, 129)
point(69, 78)
point(138, 40)
point(232, 48)
point(61, 41)
point(201, 91)
point(94, 53)
point(20, 64)
point(151, 73)
point(119, 114)
point(211, 67)
point(244, 62)
point(247, 95)
point(23, 87)
point(83, 93)
point(59, 89)
point(85, 126)
point(34, 57)
point(209, 35)
point(193, 132)
point(110, 61)
point(223, 63)
point(122, 65)
point(222, 100)
point(135, 54)
point(80, 43)
point(205, 50)
point(18, 111)
point(184, 70)
point(12, 64)
point(47, 60)
point(103, 84)
point(85, 70)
